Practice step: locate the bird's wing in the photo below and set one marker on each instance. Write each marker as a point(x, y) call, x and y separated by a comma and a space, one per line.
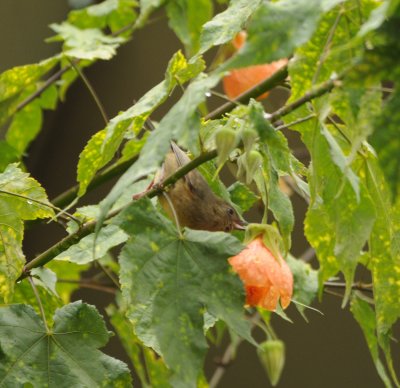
point(182, 159)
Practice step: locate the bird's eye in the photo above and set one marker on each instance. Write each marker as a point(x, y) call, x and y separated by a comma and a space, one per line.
point(230, 211)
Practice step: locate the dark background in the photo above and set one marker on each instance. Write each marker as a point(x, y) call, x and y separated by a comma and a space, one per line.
point(329, 351)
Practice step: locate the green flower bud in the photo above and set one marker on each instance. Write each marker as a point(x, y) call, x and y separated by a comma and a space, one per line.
point(271, 353)
point(254, 161)
point(249, 137)
point(226, 141)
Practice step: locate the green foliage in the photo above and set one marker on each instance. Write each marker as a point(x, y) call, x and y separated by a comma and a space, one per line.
point(21, 198)
point(178, 290)
point(225, 25)
point(75, 337)
point(83, 253)
point(186, 18)
point(277, 28)
point(365, 316)
point(89, 43)
point(156, 373)
point(115, 14)
point(177, 278)
point(104, 144)
point(305, 280)
point(242, 196)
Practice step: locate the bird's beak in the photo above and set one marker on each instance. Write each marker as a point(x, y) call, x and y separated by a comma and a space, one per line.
point(240, 225)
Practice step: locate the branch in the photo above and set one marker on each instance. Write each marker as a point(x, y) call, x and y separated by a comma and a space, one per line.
point(88, 283)
point(89, 227)
point(115, 169)
point(319, 91)
point(356, 286)
point(256, 91)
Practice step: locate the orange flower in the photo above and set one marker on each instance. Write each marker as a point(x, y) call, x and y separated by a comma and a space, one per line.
point(239, 81)
point(266, 278)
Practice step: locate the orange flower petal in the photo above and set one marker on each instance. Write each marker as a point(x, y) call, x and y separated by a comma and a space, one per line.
point(267, 279)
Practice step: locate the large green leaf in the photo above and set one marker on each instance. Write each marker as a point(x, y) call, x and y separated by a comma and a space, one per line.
point(386, 141)
point(15, 82)
point(277, 28)
point(169, 281)
point(67, 355)
point(82, 252)
point(225, 25)
point(103, 145)
point(338, 221)
point(384, 248)
point(21, 198)
point(365, 316)
point(89, 43)
point(276, 153)
point(27, 123)
point(113, 13)
point(186, 18)
point(154, 373)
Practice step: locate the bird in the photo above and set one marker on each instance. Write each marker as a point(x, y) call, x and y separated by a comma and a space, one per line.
point(190, 200)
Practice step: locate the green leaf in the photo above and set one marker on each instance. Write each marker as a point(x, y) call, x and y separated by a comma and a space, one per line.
point(25, 126)
point(225, 25)
point(181, 122)
point(168, 281)
point(88, 44)
point(242, 196)
point(8, 155)
point(384, 250)
point(365, 316)
point(68, 275)
point(12, 259)
point(277, 28)
point(305, 282)
point(24, 294)
point(24, 194)
point(103, 145)
point(15, 82)
point(19, 200)
point(82, 252)
point(113, 13)
point(277, 159)
point(46, 278)
point(186, 18)
point(338, 223)
point(68, 355)
point(146, 9)
point(386, 141)
point(156, 374)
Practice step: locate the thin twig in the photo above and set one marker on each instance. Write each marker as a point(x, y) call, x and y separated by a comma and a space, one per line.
point(91, 90)
point(295, 122)
point(277, 78)
point(35, 291)
point(83, 283)
point(356, 286)
point(44, 86)
point(108, 273)
point(322, 89)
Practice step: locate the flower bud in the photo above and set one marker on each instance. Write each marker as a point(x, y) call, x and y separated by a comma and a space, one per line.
point(249, 137)
point(271, 353)
point(254, 161)
point(225, 140)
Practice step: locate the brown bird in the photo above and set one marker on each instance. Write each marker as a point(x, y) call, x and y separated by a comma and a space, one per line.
point(191, 198)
